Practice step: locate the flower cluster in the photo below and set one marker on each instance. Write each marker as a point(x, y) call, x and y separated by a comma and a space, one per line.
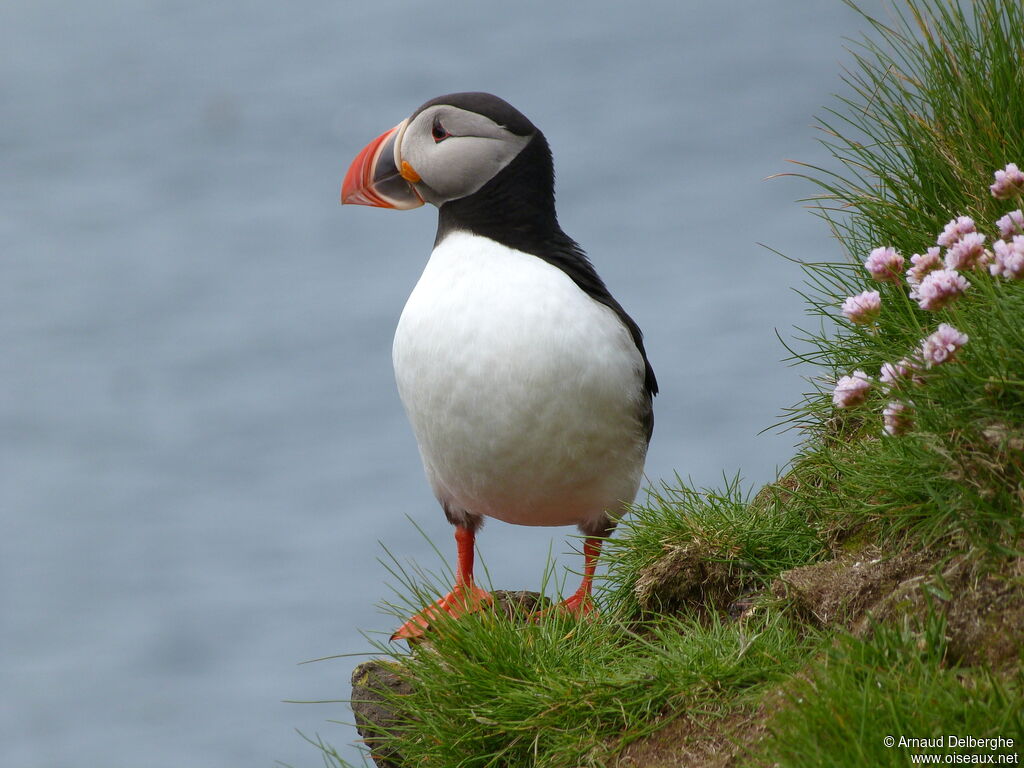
point(1008, 253)
point(936, 349)
point(923, 263)
point(885, 265)
point(898, 418)
point(956, 229)
point(1009, 182)
point(939, 288)
point(1009, 258)
point(851, 390)
point(893, 374)
point(968, 252)
point(1011, 224)
point(942, 345)
point(935, 282)
point(864, 308)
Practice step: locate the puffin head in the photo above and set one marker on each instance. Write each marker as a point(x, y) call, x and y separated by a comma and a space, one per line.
point(446, 150)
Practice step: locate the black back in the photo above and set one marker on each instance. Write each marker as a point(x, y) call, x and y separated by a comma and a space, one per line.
point(517, 209)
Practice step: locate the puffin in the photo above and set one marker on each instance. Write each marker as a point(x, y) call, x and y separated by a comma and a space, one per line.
point(526, 383)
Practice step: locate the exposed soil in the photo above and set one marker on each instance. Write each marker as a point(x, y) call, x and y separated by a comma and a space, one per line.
point(982, 599)
point(689, 576)
point(696, 741)
point(840, 591)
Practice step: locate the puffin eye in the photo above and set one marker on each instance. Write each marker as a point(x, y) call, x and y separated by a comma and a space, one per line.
point(438, 131)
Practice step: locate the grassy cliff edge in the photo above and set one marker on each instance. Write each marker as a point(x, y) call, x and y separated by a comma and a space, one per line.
point(867, 607)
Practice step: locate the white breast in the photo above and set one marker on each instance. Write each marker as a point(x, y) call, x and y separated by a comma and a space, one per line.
point(524, 393)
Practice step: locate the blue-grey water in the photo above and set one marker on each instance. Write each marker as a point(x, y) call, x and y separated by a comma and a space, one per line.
point(200, 440)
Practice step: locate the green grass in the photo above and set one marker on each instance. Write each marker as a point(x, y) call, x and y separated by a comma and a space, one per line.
point(750, 543)
point(934, 104)
point(896, 682)
point(558, 692)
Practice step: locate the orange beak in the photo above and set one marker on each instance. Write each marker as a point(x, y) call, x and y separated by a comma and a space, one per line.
point(376, 175)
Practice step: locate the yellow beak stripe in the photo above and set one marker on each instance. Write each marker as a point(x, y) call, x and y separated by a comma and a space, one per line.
point(409, 173)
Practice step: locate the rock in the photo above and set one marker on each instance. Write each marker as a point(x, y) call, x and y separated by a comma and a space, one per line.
point(372, 681)
point(376, 684)
point(520, 604)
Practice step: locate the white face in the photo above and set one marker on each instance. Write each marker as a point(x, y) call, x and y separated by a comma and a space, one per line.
point(454, 151)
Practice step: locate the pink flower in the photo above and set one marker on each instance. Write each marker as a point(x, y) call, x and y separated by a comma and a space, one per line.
point(1009, 258)
point(1009, 182)
point(885, 265)
point(968, 252)
point(923, 264)
point(942, 345)
point(954, 230)
point(1011, 224)
point(851, 390)
point(863, 308)
point(898, 418)
point(939, 288)
point(892, 373)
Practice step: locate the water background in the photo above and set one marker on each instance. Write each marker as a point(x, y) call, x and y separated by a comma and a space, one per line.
point(200, 439)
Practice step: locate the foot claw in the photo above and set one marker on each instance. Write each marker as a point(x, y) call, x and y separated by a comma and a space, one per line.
point(460, 601)
point(577, 605)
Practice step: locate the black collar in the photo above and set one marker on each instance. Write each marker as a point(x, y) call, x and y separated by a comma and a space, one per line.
point(517, 209)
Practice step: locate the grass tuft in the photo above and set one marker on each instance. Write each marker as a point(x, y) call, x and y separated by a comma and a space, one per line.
point(745, 544)
point(492, 691)
point(936, 106)
point(897, 682)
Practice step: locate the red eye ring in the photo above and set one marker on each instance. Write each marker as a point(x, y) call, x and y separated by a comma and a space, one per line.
point(438, 132)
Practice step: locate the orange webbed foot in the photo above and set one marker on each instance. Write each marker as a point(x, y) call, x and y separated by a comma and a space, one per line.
point(463, 599)
point(579, 605)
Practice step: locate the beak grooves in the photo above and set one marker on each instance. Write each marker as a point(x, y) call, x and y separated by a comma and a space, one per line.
point(374, 177)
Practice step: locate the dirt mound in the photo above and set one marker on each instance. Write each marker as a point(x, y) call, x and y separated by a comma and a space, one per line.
point(982, 599)
point(689, 576)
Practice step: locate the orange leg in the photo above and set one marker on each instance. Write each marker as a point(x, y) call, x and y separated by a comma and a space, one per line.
point(464, 598)
point(580, 602)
